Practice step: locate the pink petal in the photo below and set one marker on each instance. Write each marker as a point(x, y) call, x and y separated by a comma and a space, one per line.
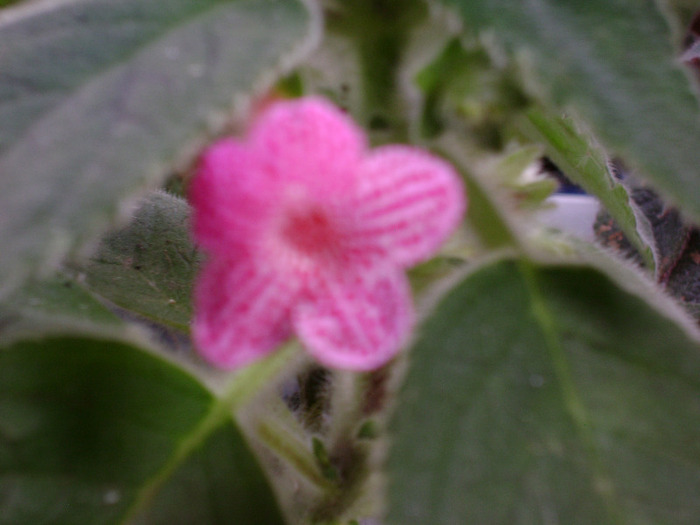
point(356, 320)
point(242, 311)
point(311, 144)
point(409, 203)
point(231, 197)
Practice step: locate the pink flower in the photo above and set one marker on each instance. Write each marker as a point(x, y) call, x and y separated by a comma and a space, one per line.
point(308, 232)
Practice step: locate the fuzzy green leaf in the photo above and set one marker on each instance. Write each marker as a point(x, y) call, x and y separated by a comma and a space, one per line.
point(217, 485)
point(96, 431)
point(586, 165)
point(613, 63)
point(148, 266)
point(548, 394)
point(100, 99)
point(55, 304)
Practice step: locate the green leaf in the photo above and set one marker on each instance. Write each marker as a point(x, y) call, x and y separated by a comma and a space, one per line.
point(55, 304)
point(682, 13)
point(529, 191)
point(100, 99)
point(485, 216)
point(548, 395)
point(148, 266)
point(455, 78)
point(218, 485)
point(488, 211)
point(465, 88)
point(670, 234)
point(612, 61)
point(587, 166)
point(91, 430)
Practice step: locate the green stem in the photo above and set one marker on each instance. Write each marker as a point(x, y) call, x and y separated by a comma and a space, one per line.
point(278, 438)
point(282, 433)
point(349, 389)
point(252, 379)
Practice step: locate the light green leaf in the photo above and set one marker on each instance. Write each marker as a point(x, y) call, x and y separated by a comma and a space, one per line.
point(512, 169)
point(99, 99)
point(97, 431)
point(148, 266)
point(586, 165)
point(547, 395)
point(613, 63)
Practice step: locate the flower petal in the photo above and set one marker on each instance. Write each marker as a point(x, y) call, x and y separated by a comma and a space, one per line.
point(357, 321)
point(242, 311)
point(409, 202)
point(230, 197)
point(311, 144)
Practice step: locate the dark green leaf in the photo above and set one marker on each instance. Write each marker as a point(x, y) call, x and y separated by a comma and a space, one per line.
point(99, 99)
point(91, 430)
point(682, 12)
point(612, 61)
point(548, 395)
point(148, 266)
point(58, 303)
point(218, 485)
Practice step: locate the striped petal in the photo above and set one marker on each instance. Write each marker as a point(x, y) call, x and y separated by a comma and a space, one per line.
point(230, 198)
point(409, 202)
point(242, 311)
point(356, 320)
point(308, 143)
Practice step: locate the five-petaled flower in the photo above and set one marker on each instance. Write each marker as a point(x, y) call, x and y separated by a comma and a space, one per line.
point(307, 231)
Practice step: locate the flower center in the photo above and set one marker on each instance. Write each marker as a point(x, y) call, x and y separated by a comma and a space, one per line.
point(310, 231)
